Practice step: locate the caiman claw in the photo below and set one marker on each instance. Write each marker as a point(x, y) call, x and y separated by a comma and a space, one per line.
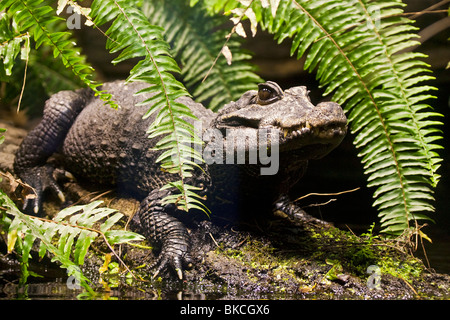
point(175, 255)
point(41, 179)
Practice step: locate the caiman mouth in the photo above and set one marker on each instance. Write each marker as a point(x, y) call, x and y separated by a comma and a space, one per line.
point(304, 141)
point(330, 131)
point(309, 142)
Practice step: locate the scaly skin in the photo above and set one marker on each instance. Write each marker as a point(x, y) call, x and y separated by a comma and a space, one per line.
point(109, 146)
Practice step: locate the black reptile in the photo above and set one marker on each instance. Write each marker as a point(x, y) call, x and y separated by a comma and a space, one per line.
point(275, 133)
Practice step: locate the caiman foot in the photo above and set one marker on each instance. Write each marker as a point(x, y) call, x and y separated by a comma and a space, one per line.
point(42, 179)
point(173, 255)
point(293, 211)
point(165, 231)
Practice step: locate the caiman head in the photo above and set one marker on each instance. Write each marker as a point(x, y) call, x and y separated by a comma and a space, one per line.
point(303, 131)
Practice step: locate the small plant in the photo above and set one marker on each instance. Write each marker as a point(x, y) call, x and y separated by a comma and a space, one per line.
point(66, 238)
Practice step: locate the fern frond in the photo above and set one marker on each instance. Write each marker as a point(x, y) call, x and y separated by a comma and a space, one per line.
point(49, 73)
point(10, 47)
point(40, 20)
point(30, 231)
point(133, 36)
point(44, 74)
point(215, 7)
point(67, 237)
point(197, 38)
point(2, 137)
point(356, 48)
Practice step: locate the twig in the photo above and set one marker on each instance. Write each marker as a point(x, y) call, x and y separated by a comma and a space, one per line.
point(214, 240)
point(86, 197)
point(228, 37)
point(242, 242)
point(326, 194)
point(101, 195)
point(410, 286)
point(218, 55)
point(425, 253)
point(429, 9)
point(350, 230)
point(319, 204)
point(27, 44)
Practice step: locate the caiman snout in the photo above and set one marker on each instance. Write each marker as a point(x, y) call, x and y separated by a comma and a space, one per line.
point(328, 113)
point(327, 119)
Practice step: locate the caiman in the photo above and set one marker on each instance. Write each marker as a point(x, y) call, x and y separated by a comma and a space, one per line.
point(255, 150)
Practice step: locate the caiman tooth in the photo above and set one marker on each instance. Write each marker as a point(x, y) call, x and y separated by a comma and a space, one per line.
point(305, 130)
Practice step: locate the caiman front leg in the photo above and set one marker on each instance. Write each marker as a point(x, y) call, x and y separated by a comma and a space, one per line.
point(155, 222)
point(46, 138)
point(292, 210)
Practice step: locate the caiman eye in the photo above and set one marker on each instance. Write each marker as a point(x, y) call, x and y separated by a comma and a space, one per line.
point(269, 92)
point(265, 94)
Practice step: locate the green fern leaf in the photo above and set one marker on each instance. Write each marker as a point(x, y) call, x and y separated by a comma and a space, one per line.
point(10, 44)
point(68, 236)
point(39, 19)
point(357, 54)
point(196, 47)
point(2, 137)
point(133, 36)
point(33, 229)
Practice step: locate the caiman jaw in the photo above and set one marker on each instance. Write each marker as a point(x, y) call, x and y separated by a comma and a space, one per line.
point(289, 133)
point(328, 132)
point(310, 142)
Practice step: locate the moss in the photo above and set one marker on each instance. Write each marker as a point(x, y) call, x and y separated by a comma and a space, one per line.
point(357, 253)
point(262, 261)
point(334, 253)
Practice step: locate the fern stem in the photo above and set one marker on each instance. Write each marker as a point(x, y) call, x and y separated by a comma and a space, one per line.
point(54, 44)
point(27, 44)
point(228, 37)
point(218, 55)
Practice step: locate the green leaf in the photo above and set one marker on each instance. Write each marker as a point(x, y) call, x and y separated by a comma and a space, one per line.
point(39, 19)
point(122, 236)
point(132, 35)
point(197, 41)
point(2, 137)
point(32, 229)
point(68, 237)
point(110, 222)
point(358, 57)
